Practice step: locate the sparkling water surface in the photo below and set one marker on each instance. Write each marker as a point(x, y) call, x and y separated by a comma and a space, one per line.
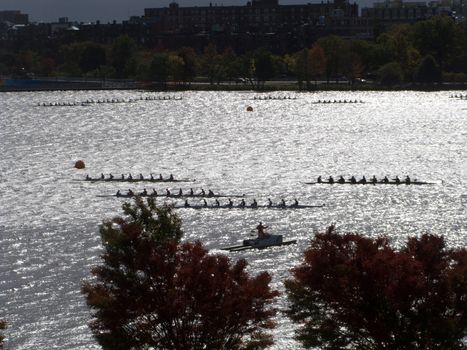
point(49, 222)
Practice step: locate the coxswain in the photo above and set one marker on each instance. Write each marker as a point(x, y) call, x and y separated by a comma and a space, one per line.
point(154, 192)
point(144, 193)
point(261, 233)
point(141, 177)
point(102, 176)
point(186, 203)
point(374, 180)
point(353, 180)
point(407, 179)
point(203, 192)
point(205, 203)
point(130, 193)
point(242, 204)
point(210, 193)
point(230, 205)
point(341, 180)
point(191, 192)
point(171, 177)
point(88, 178)
point(269, 203)
point(386, 180)
point(167, 192)
point(130, 177)
point(319, 179)
point(217, 203)
point(363, 180)
point(119, 194)
point(254, 204)
point(111, 176)
point(397, 180)
point(180, 192)
point(331, 180)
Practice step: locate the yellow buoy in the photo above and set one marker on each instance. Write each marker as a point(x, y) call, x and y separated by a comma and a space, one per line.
point(249, 109)
point(80, 164)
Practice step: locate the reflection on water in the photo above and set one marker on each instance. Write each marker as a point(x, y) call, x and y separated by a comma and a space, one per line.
point(49, 223)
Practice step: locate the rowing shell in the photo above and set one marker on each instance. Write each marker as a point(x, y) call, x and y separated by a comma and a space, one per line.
point(136, 180)
point(171, 195)
point(371, 183)
point(260, 243)
point(300, 206)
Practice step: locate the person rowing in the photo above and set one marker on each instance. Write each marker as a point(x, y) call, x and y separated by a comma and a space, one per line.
point(141, 177)
point(407, 179)
point(254, 204)
point(282, 204)
point(144, 193)
point(122, 177)
point(331, 180)
point(130, 193)
point(111, 176)
point(230, 205)
point(130, 177)
point(353, 180)
point(102, 176)
point(118, 194)
point(385, 180)
point(160, 177)
point(154, 192)
point(191, 192)
point(397, 180)
point(167, 192)
point(152, 177)
point(203, 192)
point(261, 233)
point(210, 193)
point(88, 178)
point(341, 180)
point(363, 180)
point(295, 204)
point(374, 180)
point(319, 180)
point(269, 203)
point(205, 203)
point(171, 177)
point(242, 204)
point(217, 203)
point(180, 192)
point(186, 203)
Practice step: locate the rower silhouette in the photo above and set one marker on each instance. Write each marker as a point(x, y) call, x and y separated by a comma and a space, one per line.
point(261, 233)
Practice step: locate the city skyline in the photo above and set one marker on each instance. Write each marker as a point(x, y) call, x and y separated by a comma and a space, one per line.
point(109, 10)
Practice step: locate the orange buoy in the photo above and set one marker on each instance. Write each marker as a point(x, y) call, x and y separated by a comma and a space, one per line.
point(80, 164)
point(249, 109)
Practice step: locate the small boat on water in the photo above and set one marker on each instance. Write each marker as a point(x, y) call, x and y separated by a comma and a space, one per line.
point(371, 181)
point(260, 243)
point(130, 178)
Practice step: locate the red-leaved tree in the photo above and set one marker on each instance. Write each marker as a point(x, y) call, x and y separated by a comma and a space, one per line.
point(2, 338)
point(152, 291)
point(352, 292)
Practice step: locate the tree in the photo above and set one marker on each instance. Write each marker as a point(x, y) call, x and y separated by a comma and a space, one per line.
point(334, 48)
point(428, 71)
point(121, 52)
point(159, 68)
point(352, 292)
point(154, 292)
point(264, 67)
point(390, 74)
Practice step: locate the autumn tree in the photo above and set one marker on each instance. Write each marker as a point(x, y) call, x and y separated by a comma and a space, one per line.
point(352, 292)
point(152, 291)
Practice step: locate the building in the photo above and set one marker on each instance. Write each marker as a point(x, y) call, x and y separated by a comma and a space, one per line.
point(14, 17)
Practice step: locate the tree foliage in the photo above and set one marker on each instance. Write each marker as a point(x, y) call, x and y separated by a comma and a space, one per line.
point(2, 338)
point(352, 292)
point(428, 71)
point(152, 291)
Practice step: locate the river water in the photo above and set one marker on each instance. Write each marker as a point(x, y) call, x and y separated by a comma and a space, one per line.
point(49, 236)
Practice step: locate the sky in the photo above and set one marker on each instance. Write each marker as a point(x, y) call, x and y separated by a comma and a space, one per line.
point(108, 10)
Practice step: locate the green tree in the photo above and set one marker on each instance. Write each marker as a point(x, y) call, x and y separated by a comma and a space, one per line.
point(152, 291)
point(334, 48)
point(92, 57)
point(121, 53)
point(264, 67)
point(2, 338)
point(353, 292)
point(428, 71)
point(190, 63)
point(159, 69)
point(390, 74)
